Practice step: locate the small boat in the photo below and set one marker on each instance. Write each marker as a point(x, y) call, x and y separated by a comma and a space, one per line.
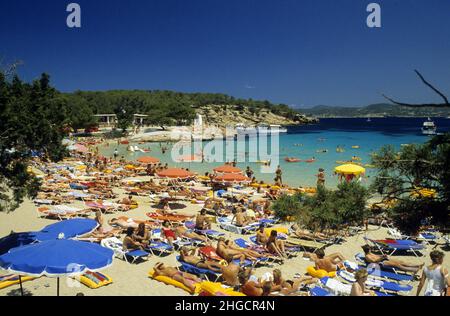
point(322, 151)
point(355, 147)
point(429, 128)
point(287, 159)
point(369, 120)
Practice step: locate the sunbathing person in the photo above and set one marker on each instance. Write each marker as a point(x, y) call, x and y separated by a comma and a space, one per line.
point(142, 235)
point(241, 219)
point(287, 286)
point(230, 274)
point(102, 231)
point(251, 254)
point(191, 257)
point(201, 221)
point(261, 237)
point(329, 263)
point(305, 234)
point(276, 246)
point(168, 233)
point(127, 201)
point(182, 231)
point(129, 243)
point(189, 280)
point(124, 224)
point(359, 287)
point(229, 254)
point(249, 284)
point(370, 257)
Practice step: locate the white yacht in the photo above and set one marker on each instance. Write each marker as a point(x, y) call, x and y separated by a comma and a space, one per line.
point(270, 129)
point(429, 128)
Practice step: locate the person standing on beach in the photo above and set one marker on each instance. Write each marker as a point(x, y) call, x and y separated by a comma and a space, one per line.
point(279, 173)
point(249, 172)
point(321, 177)
point(116, 153)
point(436, 275)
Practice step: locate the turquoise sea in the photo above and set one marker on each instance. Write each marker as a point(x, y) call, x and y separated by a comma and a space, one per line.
point(304, 142)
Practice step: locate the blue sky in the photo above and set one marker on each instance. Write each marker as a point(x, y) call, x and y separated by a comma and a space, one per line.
point(287, 51)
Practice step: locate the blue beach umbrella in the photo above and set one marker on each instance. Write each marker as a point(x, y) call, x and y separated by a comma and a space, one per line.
point(70, 229)
point(56, 258)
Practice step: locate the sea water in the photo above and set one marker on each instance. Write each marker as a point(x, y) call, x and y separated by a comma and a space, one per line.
point(317, 141)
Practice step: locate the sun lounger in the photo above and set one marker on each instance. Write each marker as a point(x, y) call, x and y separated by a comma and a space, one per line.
point(259, 249)
point(375, 271)
point(383, 286)
point(319, 291)
point(210, 253)
point(130, 256)
point(178, 243)
point(337, 288)
point(225, 224)
point(210, 233)
point(391, 246)
point(61, 212)
point(189, 268)
point(160, 248)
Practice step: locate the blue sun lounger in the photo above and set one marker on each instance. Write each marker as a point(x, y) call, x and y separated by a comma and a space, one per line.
point(288, 248)
point(360, 258)
point(160, 248)
point(319, 291)
point(341, 288)
point(375, 271)
point(209, 274)
point(395, 245)
point(210, 233)
point(383, 286)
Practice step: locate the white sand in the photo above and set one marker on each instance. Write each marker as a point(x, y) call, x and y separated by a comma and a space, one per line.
point(132, 279)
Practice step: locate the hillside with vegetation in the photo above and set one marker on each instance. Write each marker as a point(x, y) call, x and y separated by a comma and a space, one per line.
point(176, 108)
point(376, 110)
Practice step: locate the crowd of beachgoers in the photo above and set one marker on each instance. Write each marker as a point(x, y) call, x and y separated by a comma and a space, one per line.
point(216, 234)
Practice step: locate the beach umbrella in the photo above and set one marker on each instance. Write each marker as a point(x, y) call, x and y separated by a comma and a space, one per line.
point(350, 169)
point(148, 160)
point(231, 178)
point(70, 228)
point(227, 169)
point(175, 173)
point(56, 258)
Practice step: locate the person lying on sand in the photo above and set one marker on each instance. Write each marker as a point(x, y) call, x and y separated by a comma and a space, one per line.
point(189, 280)
point(329, 263)
point(192, 257)
point(370, 257)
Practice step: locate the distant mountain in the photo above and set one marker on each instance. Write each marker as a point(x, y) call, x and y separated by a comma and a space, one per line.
point(374, 110)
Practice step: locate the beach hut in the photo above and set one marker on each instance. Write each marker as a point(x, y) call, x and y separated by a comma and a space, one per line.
point(148, 160)
point(227, 169)
point(175, 173)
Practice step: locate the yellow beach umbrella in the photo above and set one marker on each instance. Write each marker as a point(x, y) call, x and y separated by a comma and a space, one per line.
point(350, 169)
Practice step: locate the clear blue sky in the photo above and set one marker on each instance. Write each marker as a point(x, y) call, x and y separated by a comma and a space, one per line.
point(291, 51)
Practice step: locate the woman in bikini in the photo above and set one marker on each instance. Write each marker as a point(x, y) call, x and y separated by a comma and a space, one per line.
point(168, 233)
point(142, 235)
point(187, 279)
point(276, 246)
point(191, 257)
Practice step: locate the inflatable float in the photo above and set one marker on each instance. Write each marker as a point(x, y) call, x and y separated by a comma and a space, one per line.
point(95, 280)
point(10, 279)
point(312, 271)
point(217, 289)
point(170, 281)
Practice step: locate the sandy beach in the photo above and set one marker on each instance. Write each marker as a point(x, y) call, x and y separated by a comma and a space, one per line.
point(133, 280)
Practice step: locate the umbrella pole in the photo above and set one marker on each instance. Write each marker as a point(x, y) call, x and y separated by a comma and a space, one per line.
point(21, 287)
point(57, 287)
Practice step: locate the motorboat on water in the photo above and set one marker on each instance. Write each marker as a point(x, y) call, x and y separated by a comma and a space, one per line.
point(429, 127)
point(260, 129)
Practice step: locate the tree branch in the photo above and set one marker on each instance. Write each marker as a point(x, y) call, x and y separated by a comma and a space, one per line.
point(434, 105)
point(433, 88)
